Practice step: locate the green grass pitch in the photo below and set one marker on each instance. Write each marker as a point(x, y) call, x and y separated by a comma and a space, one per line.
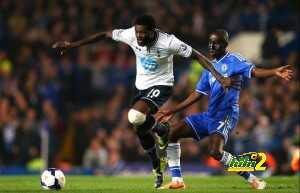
point(143, 184)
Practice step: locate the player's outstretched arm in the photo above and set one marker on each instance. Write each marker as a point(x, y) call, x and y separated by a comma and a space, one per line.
point(204, 61)
point(284, 72)
point(164, 115)
point(63, 46)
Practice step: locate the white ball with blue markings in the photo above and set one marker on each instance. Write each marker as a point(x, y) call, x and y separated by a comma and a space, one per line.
point(53, 179)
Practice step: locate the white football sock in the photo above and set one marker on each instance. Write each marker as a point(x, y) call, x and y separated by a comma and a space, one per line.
point(226, 158)
point(173, 156)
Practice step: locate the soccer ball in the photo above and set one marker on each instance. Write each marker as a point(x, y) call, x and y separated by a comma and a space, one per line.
point(53, 179)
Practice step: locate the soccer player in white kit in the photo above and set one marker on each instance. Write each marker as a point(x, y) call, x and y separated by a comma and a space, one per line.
point(154, 52)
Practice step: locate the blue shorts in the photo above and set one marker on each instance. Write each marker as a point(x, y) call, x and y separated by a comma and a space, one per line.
point(205, 125)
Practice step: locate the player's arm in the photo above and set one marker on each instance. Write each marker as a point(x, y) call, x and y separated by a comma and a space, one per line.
point(284, 72)
point(63, 46)
point(180, 48)
point(165, 115)
point(204, 61)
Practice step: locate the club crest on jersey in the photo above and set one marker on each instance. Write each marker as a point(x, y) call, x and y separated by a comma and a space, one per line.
point(224, 68)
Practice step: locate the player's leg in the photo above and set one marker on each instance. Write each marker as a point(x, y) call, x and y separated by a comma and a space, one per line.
point(147, 103)
point(216, 150)
point(156, 97)
point(141, 119)
point(178, 131)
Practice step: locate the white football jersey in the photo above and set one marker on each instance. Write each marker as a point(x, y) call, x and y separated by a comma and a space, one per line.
point(154, 67)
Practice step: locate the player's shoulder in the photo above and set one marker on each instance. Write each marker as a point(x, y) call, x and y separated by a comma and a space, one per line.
point(164, 37)
point(130, 30)
point(168, 38)
point(236, 57)
point(163, 34)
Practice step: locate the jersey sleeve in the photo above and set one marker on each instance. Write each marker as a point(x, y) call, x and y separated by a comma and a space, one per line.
point(203, 86)
point(178, 47)
point(243, 66)
point(123, 35)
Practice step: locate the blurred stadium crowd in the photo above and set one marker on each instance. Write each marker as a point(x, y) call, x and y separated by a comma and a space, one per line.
point(81, 99)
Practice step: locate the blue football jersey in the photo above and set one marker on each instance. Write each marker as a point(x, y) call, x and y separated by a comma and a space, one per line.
point(221, 103)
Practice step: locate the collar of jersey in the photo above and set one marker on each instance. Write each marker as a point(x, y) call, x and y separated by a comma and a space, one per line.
point(217, 61)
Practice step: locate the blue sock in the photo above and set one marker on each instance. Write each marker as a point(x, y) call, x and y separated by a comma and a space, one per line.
point(176, 171)
point(245, 175)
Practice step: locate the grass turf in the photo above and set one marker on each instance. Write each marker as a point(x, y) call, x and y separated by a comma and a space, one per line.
point(143, 184)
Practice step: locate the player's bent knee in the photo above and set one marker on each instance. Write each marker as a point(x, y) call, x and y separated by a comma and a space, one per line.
point(136, 118)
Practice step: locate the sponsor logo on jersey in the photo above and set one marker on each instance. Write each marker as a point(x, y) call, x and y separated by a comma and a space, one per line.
point(149, 64)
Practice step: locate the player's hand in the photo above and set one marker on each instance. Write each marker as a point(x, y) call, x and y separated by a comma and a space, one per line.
point(62, 47)
point(284, 72)
point(233, 82)
point(164, 115)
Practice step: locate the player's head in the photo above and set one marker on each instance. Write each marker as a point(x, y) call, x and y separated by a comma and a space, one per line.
point(144, 29)
point(218, 41)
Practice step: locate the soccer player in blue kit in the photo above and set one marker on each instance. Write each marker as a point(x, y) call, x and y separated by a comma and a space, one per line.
point(223, 110)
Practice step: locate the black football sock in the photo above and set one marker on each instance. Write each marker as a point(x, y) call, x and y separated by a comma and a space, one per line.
point(154, 158)
point(148, 143)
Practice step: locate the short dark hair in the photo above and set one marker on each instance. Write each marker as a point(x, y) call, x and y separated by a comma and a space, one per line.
point(146, 20)
point(223, 34)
